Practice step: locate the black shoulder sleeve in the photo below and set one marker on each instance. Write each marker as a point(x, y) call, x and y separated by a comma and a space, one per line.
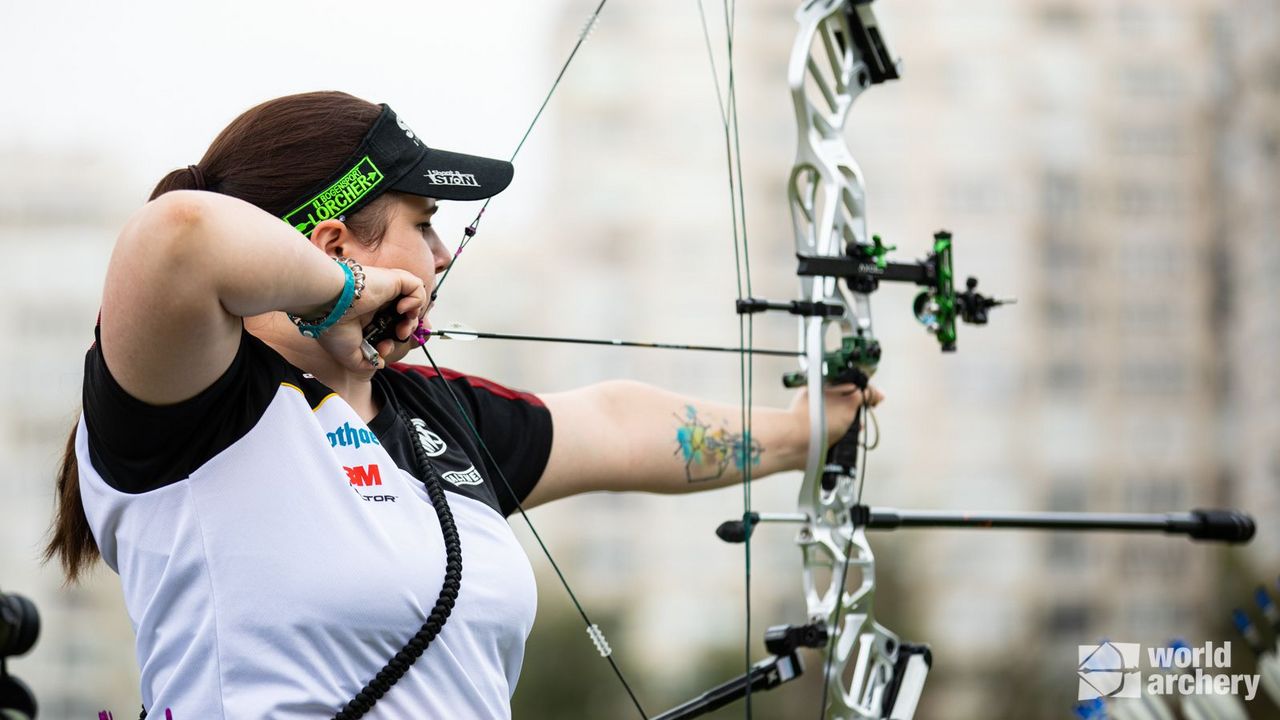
point(137, 447)
point(515, 426)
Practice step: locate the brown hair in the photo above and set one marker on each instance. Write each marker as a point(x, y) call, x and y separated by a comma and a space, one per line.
point(268, 156)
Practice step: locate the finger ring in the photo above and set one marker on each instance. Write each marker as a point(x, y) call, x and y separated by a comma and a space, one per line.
point(370, 354)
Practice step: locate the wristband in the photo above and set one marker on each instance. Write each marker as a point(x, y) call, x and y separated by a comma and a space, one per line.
point(352, 288)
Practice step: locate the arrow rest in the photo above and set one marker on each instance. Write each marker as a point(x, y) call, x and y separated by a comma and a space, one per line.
point(855, 361)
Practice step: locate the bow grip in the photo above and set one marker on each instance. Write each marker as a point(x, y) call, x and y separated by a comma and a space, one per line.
point(842, 457)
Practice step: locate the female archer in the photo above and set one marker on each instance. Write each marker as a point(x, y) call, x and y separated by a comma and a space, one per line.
point(303, 526)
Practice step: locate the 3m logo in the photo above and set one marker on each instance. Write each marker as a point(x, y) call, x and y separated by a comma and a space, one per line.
point(364, 475)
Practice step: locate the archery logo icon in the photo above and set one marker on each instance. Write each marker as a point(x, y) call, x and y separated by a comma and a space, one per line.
point(1109, 670)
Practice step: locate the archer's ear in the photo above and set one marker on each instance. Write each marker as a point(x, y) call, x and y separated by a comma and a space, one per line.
point(332, 236)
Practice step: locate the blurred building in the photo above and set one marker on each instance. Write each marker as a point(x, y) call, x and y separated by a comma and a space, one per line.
point(58, 217)
point(1246, 192)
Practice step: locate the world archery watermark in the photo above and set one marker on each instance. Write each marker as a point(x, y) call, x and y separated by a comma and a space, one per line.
point(1115, 670)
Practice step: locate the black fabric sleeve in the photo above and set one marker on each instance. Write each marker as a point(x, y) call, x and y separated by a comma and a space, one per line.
point(137, 447)
point(517, 429)
point(515, 426)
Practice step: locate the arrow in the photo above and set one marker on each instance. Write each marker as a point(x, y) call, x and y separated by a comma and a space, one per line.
point(458, 331)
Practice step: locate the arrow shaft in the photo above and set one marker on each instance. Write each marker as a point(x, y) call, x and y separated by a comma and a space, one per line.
point(616, 343)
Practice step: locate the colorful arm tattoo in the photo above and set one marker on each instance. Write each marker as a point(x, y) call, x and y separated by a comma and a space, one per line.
point(707, 452)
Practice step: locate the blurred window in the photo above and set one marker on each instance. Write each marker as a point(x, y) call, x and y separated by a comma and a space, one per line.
point(1153, 377)
point(1069, 620)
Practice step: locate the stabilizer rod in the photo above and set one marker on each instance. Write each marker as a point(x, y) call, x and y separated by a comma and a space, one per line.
point(1229, 526)
point(783, 666)
point(765, 675)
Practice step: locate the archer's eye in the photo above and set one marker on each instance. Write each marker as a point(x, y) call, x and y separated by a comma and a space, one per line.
point(424, 229)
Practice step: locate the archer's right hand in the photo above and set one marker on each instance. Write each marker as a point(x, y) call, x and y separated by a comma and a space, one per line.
point(382, 287)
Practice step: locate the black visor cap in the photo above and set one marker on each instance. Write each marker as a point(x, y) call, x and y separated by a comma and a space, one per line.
point(392, 157)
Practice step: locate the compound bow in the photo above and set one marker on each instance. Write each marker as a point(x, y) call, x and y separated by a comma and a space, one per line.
point(869, 673)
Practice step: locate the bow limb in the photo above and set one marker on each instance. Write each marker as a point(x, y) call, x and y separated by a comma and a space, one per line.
point(828, 70)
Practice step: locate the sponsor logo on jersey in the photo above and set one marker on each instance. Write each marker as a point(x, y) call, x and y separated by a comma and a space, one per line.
point(429, 441)
point(347, 436)
point(374, 498)
point(363, 475)
point(470, 476)
point(378, 498)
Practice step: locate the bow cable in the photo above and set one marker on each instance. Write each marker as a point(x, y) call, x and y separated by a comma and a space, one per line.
point(745, 349)
point(728, 104)
point(593, 630)
point(863, 414)
point(470, 231)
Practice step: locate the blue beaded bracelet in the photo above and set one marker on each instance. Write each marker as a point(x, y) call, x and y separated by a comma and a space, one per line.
point(350, 291)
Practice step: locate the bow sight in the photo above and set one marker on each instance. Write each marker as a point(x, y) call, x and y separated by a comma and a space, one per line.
point(937, 307)
point(863, 268)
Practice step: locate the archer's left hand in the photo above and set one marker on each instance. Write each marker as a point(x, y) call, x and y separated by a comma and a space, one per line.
point(842, 405)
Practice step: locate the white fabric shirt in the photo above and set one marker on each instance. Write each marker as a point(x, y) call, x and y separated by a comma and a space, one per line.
point(279, 575)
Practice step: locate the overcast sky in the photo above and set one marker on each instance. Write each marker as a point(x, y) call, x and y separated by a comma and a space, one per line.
point(150, 83)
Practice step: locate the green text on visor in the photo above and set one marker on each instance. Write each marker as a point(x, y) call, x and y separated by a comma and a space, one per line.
point(392, 157)
point(338, 198)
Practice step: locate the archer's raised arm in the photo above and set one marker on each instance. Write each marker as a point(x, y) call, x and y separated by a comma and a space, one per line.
point(189, 265)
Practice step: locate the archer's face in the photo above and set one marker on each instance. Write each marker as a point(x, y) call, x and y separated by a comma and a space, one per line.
point(409, 243)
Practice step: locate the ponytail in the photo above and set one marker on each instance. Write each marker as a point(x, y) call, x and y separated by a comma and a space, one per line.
point(71, 541)
point(187, 178)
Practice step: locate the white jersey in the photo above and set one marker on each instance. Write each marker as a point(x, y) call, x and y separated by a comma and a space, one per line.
point(275, 551)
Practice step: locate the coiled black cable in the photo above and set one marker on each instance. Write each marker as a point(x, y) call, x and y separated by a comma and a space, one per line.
point(399, 665)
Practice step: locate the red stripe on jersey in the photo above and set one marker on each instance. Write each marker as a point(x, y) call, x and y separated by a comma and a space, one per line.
point(501, 391)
